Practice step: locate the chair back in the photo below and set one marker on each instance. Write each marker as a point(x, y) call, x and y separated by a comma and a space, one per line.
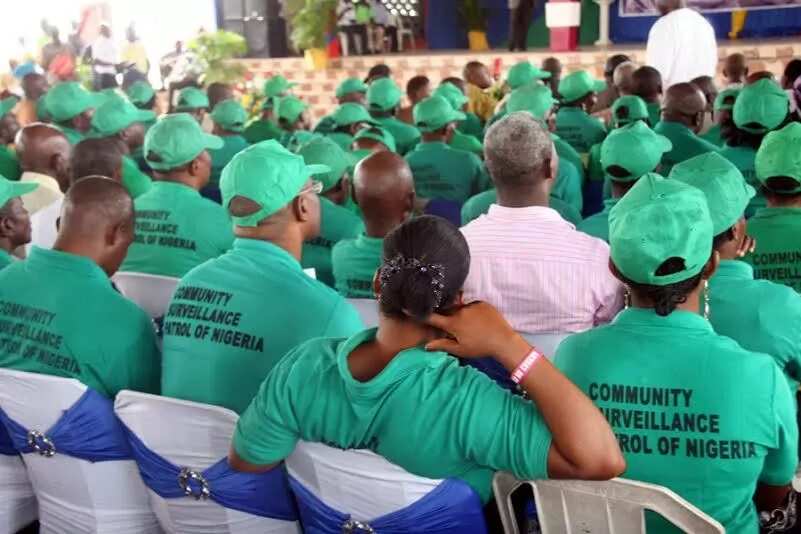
point(182, 450)
point(18, 506)
point(150, 292)
point(608, 507)
point(545, 343)
point(80, 471)
point(367, 310)
point(358, 490)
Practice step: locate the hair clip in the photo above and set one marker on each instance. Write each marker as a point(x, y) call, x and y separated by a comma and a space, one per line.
point(436, 271)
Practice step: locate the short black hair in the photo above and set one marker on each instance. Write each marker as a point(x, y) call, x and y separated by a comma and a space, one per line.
point(666, 298)
point(455, 80)
point(646, 82)
point(426, 247)
point(792, 71)
point(613, 62)
point(415, 84)
point(378, 71)
point(722, 238)
point(96, 157)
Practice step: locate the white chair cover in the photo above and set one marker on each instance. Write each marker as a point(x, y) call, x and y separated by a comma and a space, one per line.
point(367, 309)
point(74, 495)
point(150, 292)
point(194, 435)
point(545, 343)
point(17, 501)
point(613, 506)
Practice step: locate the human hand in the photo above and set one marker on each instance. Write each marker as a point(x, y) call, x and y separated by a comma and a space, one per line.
point(747, 246)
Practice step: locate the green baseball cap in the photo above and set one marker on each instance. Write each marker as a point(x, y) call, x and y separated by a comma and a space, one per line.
point(578, 85)
point(269, 175)
point(381, 135)
point(192, 98)
point(9, 189)
point(727, 193)
point(324, 151)
point(628, 109)
point(69, 99)
point(290, 108)
point(761, 107)
point(351, 85)
point(384, 94)
point(140, 93)
point(116, 114)
point(229, 115)
point(660, 219)
point(726, 94)
point(536, 99)
point(636, 148)
point(351, 113)
point(175, 140)
point(434, 113)
point(277, 86)
point(452, 94)
point(524, 73)
point(7, 104)
point(779, 155)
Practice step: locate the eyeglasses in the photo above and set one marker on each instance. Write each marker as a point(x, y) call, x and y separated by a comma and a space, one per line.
point(316, 187)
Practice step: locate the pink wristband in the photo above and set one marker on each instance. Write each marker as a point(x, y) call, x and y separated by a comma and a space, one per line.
point(525, 366)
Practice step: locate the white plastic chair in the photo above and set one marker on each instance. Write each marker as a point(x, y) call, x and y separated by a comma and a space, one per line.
point(198, 436)
point(404, 32)
point(150, 292)
point(545, 343)
point(74, 495)
point(614, 506)
point(18, 506)
point(367, 309)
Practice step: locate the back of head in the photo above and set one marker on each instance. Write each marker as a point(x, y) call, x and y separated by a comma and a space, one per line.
point(623, 77)
point(96, 157)
point(666, 6)
point(518, 151)
point(377, 72)
point(383, 186)
point(778, 164)
point(612, 63)
point(217, 92)
point(646, 83)
point(707, 86)
point(735, 68)
point(791, 72)
point(416, 88)
point(458, 82)
point(44, 149)
point(426, 261)
point(683, 102)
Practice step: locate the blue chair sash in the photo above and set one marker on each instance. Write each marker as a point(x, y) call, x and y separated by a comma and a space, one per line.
point(452, 507)
point(6, 445)
point(88, 430)
point(263, 494)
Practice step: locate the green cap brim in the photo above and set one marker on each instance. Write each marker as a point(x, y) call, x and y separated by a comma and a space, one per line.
point(19, 189)
point(212, 142)
point(317, 168)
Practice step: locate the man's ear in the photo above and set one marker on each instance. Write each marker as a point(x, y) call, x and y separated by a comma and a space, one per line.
point(301, 208)
point(6, 226)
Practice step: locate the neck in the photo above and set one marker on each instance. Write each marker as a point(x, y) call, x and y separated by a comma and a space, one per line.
point(434, 138)
point(80, 246)
point(282, 236)
point(775, 201)
point(523, 197)
point(679, 119)
point(184, 179)
point(395, 335)
point(380, 226)
point(728, 250)
point(691, 304)
point(7, 245)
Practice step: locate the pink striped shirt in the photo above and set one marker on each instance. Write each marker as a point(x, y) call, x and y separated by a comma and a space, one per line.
point(539, 271)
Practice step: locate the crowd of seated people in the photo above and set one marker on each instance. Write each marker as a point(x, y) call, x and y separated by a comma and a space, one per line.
point(570, 278)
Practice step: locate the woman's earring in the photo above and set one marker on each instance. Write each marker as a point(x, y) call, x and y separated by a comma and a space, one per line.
point(627, 299)
point(706, 299)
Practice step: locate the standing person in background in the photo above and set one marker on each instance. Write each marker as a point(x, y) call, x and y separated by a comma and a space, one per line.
point(134, 56)
point(610, 94)
point(681, 44)
point(554, 66)
point(735, 70)
point(386, 24)
point(519, 22)
point(418, 89)
point(34, 86)
point(105, 58)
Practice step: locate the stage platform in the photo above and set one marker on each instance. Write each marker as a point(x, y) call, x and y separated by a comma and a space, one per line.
point(317, 87)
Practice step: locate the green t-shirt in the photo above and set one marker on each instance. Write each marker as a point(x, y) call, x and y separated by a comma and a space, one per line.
point(60, 315)
point(743, 158)
point(232, 145)
point(6, 259)
point(686, 144)
point(233, 318)
point(770, 322)
point(336, 223)
point(176, 230)
point(135, 181)
point(406, 136)
point(568, 153)
point(442, 172)
point(423, 412)
point(342, 139)
point(713, 135)
point(598, 225)
point(568, 186)
point(579, 129)
point(468, 143)
point(355, 262)
point(692, 410)
point(9, 164)
point(261, 130)
point(777, 257)
point(480, 204)
point(471, 125)
point(654, 112)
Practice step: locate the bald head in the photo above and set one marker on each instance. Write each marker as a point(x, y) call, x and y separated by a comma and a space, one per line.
point(44, 149)
point(623, 78)
point(383, 187)
point(647, 84)
point(554, 66)
point(735, 68)
point(97, 221)
point(612, 63)
point(685, 103)
point(707, 86)
point(519, 152)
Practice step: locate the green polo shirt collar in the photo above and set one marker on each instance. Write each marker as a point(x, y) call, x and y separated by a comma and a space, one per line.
point(676, 128)
point(638, 318)
point(265, 249)
point(736, 269)
point(769, 213)
point(432, 145)
point(51, 260)
point(609, 203)
point(176, 188)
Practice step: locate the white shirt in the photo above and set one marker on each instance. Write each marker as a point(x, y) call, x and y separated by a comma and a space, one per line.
point(44, 195)
point(104, 49)
point(43, 225)
point(682, 46)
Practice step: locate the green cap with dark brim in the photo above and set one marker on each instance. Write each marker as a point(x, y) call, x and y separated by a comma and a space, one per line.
point(635, 148)
point(116, 114)
point(176, 140)
point(628, 109)
point(382, 135)
point(351, 113)
point(324, 151)
point(536, 99)
point(577, 85)
point(383, 95)
point(780, 156)
point(761, 107)
point(435, 113)
point(351, 85)
point(9, 189)
point(277, 86)
point(726, 99)
point(524, 73)
point(290, 108)
point(192, 98)
point(140, 93)
point(67, 100)
point(229, 115)
point(452, 94)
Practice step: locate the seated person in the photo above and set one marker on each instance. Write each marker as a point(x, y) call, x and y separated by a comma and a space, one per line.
point(478, 80)
point(536, 268)
point(682, 118)
point(574, 123)
point(71, 107)
point(383, 187)
point(768, 323)
point(722, 108)
point(627, 154)
point(471, 125)
point(777, 227)
point(263, 128)
point(625, 110)
point(292, 120)
point(336, 221)
point(193, 101)
point(348, 119)
point(229, 121)
point(441, 172)
point(707, 86)
point(15, 223)
point(371, 139)
point(254, 303)
point(351, 90)
point(418, 88)
point(554, 66)
point(383, 101)
point(458, 101)
point(142, 95)
point(84, 329)
point(44, 156)
point(647, 84)
point(397, 391)
point(176, 228)
point(659, 357)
